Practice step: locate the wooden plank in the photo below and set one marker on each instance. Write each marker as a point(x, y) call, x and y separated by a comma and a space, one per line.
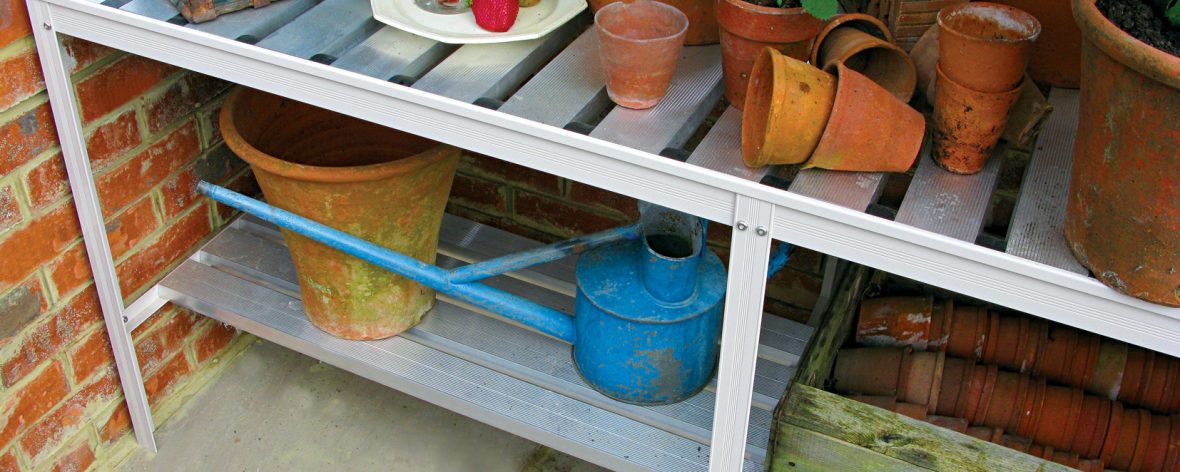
point(798, 449)
point(833, 330)
point(902, 438)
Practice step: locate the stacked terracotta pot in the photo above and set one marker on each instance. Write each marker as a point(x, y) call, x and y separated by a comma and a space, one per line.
point(1061, 354)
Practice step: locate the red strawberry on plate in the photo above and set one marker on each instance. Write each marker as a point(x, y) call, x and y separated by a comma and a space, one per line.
point(495, 15)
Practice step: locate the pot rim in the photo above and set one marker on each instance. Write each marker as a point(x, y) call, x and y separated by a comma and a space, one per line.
point(1124, 48)
point(676, 13)
point(848, 19)
point(729, 14)
point(1030, 37)
point(347, 174)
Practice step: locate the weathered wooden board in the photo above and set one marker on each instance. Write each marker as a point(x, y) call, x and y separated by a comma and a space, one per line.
point(805, 450)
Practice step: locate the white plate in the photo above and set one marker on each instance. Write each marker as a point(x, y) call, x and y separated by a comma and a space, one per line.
point(532, 22)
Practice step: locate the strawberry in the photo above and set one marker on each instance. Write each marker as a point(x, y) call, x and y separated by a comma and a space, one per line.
point(495, 15)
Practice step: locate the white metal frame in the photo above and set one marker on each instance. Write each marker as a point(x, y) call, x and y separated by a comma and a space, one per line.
point(766, 212)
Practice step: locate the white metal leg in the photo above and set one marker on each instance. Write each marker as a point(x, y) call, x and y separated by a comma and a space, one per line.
point(748, 259)
point(73, 148)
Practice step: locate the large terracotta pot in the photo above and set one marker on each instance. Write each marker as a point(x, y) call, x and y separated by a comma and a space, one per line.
point(747, 28)
point(702, 23)
point(1057, 54)
point(1123, 216)
point(377, 183)
point(787, 108)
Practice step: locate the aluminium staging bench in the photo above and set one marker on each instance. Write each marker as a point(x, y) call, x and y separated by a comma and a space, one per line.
point(536, 103)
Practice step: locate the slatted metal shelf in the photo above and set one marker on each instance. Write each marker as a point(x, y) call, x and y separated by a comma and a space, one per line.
point(541, 103)
point(477, 363)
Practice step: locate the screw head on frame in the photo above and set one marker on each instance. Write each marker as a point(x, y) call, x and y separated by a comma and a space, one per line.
point(742, 226)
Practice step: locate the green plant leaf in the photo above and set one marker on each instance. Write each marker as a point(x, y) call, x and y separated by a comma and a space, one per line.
point(1172, 12)
point(822, 9)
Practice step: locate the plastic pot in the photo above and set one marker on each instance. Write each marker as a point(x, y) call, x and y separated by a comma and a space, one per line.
point(869, 370)
point(967, 123)
point(787, 108)
point(1122, 218)
point(869, 130)
point(864, 44)
point(639, 44)
point(702, 22)
point(985, 46)
point(747, 28)
point(895, 321)
point(1057, 55)
point(377, 183)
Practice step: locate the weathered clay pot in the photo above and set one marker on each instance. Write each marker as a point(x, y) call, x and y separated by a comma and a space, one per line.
point(958, 425)
point(1019, 443)
point(1136, 426)
point(1066, 458)
point(924, 376)
point(869, 130)
point(968, 332)
point(1157, 445)
point(1084, 359)
point(1172, 457)
point(975, 390)
point(702, 23)
point(967, 123)
point(747, 28)
point(1009, 339)
point(787, 108)
point(985, 396)
point(955, 375)
point(1091, 465)
point(1094, 448)
point(377, 183)
point(1007, 398)
point(1156, 383)
point(1122, 219)
point(1057, 55)
point(639, 43)
point(1037, 337)
point(992, 341)
point(864, 44)
point(895, 321)
point(1087, 423)
point(1108, 373)
point(983, 433)
point(1033, 406)
point(942, 316)
point(1113, 431)
point(985, 46)
point(1059, 413)
point(1143, 443)
point(913, 410)
point(869, 370)
point(1137, 362)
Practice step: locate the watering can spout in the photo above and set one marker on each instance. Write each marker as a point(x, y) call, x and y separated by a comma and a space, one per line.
point(670, 250)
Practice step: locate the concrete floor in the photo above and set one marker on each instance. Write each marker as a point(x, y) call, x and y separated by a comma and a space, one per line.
point(275, 409)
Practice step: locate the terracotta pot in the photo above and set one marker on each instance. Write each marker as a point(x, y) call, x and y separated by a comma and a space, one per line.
point(1091, 465)
point(968, 332)
point(985, 46)
point(747, 28)
point(1066, 458)
point(985, 396)
point(1060, 346)
point(1155, 389)
point(869, 130)
point(1143, 443)
point(1062, 407)
point(958, 425)
point(1114, 431)
point(941, 316)
point(1018, 443)
point(377, 183)
point(1145, 380)
point(1133, 373)
point(1172, 397)
point(1102, 425)
point(1122, 218)
point(975, 391)
point(992, 342)
point(1010, 338)
point(1108, 371)
point(787, 108)
point(955, 374)
point(895, 321)
point(1087, 423)
point(639, 44)
point(1157, 445)
point(863, 43)
point(985, 433)
point(1172, 458)
point(869, 370)
point(1033, 406)
point(967, 124)
point(1085, 358)
point(913, 410)
point(1057, 55)
point(1007, 397)
point(925, 57)
point(884, 402)
point(702, 23)
point(1037, 337)
point(924, 372)
point(1136, 424)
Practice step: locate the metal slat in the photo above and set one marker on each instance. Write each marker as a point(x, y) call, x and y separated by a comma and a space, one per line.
point(947, 203)
point(1039, 217)
point(255, 22)
point(155, 9)
point(477, 71)
point(695, 88)
point(721, 149)
point(392, 52)
point(329, 28)
point(855, 190)
point(571, 86)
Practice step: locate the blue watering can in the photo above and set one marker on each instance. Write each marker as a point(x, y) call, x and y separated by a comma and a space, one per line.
point(649, 298)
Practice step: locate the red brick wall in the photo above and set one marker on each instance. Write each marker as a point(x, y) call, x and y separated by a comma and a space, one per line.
point(150, 132)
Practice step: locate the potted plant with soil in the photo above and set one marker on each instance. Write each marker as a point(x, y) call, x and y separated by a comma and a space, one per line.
point(1123, 215)
point(747, 26)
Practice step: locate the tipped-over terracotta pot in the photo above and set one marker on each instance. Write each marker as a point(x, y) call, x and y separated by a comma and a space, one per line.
point(702, 22)
point(746, 28)
point(967, 124)
point(869, 370)
point(985, 46)
point(863, 44)
point(869, 130)
point(895, 321)
point(787, 109)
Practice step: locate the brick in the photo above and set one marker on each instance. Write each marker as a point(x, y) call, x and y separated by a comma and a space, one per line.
point(131, 227)
point(77, 460)
point(81, 53)
point(161, 343)
point(19, 307)
point(116, 425)
point(110, 141)
point(131, 180)
point(118, 83)
point(560, 215)
point(795, 288)
point(27, 248)
point(243, 183)
point(165, 378)
point(47, 434)
point(44, 341)
point(91, 354)
point(26, 136)
point(213, 340)
point(218, 165)
point(594, 196)
point(483, 195)
point(180, 193)
point(27, 404)
point(22, 77)
point(72, 270)
point(181, 99)
point(150, 261)
point(14, 21)
point(504, 171)
point(8, 462)
point(9, 210)
point(47, 182)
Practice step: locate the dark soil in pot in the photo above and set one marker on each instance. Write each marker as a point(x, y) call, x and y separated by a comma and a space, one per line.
point(1143, 22)
point(775, 3)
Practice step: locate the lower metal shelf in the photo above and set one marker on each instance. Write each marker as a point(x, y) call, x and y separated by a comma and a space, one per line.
point(476, 363)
